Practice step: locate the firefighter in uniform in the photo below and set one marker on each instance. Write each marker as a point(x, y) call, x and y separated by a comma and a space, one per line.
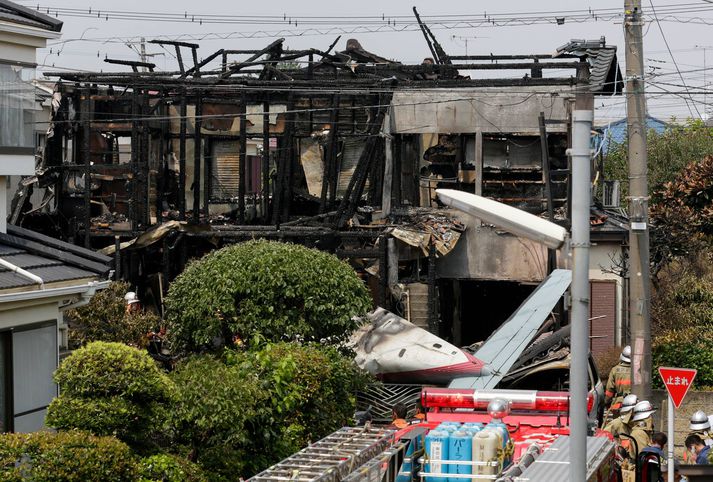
point(622, 424)
point(619, 383)
point(701, 426)
point(641, 429)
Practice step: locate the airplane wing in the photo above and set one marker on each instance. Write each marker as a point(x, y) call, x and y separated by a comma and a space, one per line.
point(502, 349)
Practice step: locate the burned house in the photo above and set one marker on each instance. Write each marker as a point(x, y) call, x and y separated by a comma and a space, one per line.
point(339, 150)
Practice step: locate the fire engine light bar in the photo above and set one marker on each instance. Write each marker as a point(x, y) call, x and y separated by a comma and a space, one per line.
point(541, 401)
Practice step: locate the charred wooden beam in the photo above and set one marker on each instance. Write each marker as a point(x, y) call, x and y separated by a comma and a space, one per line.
point(265, 159)
point(197, 161)
point(182, 160)
point(242, 160)
point(85, 113)
point(132, 63)
point(273, 47)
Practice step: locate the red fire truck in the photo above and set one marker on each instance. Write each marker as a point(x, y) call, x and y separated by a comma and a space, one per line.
point(498, 435)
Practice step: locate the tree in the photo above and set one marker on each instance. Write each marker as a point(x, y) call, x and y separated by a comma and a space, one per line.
point(110, 389)
point(215, 413)
point(682, 209)
point(105, 319)
point(281, 291)
point(668, 153)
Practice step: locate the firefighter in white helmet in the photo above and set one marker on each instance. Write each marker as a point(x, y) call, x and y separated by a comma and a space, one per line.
point(618, 383)
point(133, 304)
point(622, 423)
point(700, 425)
point(641, 427)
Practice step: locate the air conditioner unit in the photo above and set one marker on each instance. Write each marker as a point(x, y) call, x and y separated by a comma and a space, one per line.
point(611, 194)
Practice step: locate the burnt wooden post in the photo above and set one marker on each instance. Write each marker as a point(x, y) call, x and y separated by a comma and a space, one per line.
point(265, 158)
point(432, 301)
point(242, 161)
point(327, 179)
point(182, 159)
point(144, 171)
point(117, 258)
point(290, 151)
point(547, 179)
point(397, 175)
point(86, 158)
point(383, 272)
point(208, 170)
point(197, 160)
point(135, 147)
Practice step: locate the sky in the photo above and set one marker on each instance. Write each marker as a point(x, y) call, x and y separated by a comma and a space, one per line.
point(475, 26)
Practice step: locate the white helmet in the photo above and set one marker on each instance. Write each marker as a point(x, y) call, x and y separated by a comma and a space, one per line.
point(627, 405)
point(131, 298)
point(626, 354)
point(642, 411)
point(699, 421)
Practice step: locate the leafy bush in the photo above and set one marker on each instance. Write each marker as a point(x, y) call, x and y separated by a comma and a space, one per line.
point(65, 457)
point(110, 389)
point(169, 468)
point(105, 319)
point(275, 289)
point(311, 393)
point(683, 294)
point(688, 347)
point(215, 413)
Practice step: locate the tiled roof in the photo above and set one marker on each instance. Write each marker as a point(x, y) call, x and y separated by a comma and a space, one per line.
point(52, 260)
point(12, 12)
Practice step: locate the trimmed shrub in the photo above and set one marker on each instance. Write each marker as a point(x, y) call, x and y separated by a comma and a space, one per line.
point(169, 468)
point(311, 393)
point(215, 412)
point(606, 360)
point(105, 319)
point(65, 457)
point(688, 347)
point(281, 291)
point(110, 389)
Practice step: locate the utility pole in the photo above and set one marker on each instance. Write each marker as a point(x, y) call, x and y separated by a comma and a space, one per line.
point(639, 276)
point(581, 180)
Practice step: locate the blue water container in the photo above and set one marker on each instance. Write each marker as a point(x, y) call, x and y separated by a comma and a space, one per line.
point(448, 427)
point(460, 448)
point(474, 427)
point(437, 444)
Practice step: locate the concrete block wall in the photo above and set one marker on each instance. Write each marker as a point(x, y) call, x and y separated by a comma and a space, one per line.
point(693, 402)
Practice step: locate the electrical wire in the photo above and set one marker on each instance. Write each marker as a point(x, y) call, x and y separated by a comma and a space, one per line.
point(663, 36)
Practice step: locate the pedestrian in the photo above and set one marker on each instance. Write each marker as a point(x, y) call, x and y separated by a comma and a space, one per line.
point(697, 446)
point(658, 441)
point(398, 416)
point(618, 383)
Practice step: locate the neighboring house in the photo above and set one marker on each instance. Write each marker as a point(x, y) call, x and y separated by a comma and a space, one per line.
point(40, 277)
point(615, 132)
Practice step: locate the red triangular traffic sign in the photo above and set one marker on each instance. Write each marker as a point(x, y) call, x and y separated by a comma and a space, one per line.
point(677, 382)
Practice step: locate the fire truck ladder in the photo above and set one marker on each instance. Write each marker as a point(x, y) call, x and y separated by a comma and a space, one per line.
point(331, 459)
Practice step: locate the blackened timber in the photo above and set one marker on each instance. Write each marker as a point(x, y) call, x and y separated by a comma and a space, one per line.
point(383, 272)
point(143, 179)
point(265, 158)
point(208, 170)
point(431, 280)
point(86, 157)
point(131, 63)
point(135, 148)
point(242, 160)
point(329, 160)
point(277, 44)
point(182, 160)
point(197, 160)
point(290, 160)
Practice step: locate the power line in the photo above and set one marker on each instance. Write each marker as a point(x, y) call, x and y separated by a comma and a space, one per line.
point(663, 36)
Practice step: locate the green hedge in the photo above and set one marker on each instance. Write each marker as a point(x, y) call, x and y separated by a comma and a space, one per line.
point(214, 413)
point(110, 389)
point(281, 291)
point(169, 468)
point(65, 457)
point(689, 347)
